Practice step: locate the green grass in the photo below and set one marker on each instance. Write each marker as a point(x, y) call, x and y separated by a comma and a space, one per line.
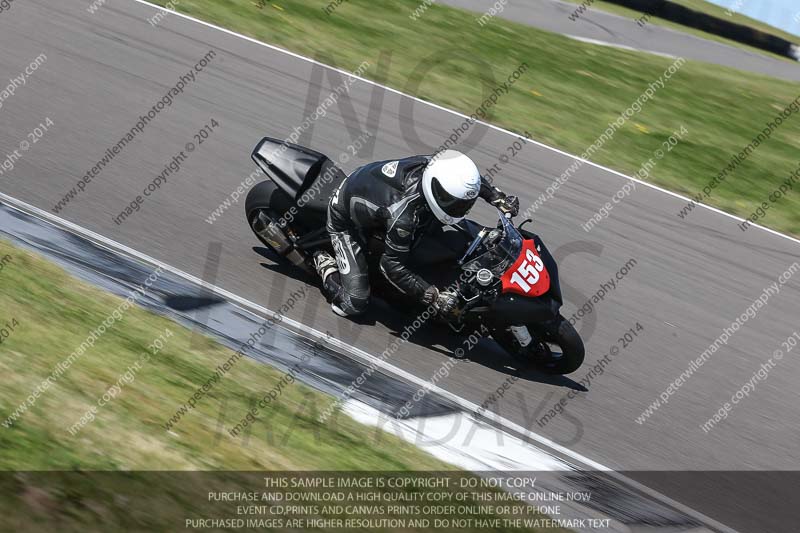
point(51, 314)
point(703, 7)
point(566, 99)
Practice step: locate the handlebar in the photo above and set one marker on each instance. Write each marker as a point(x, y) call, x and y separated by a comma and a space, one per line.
point(504, 223)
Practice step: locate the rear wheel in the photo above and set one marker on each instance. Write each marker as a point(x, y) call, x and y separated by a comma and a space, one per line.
point(263, 207)
point(556, 349)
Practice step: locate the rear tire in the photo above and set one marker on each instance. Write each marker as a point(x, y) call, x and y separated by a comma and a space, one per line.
point(267, 196)
point(564, 336)
point(265, 204)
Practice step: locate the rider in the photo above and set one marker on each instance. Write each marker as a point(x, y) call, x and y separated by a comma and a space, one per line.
point(398, 201)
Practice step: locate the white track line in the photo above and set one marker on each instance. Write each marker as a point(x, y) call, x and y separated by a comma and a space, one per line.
point(616, 45)
point(458, 113)
point(366, 357)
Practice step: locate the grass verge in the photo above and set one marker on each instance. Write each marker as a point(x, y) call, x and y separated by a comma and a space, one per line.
point(567, 97)
point(46, 315)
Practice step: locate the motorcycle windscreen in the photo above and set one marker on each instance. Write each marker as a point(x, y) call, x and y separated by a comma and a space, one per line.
point(290, 166)
point(527, 276)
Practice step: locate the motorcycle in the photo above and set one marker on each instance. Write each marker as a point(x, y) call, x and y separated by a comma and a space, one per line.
point(505, 279)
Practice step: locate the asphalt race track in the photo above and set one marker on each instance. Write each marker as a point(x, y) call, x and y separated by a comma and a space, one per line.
point(552, 15)
point(692, 277)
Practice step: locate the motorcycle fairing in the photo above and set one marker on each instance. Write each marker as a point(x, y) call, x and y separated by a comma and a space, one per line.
point(527, 276)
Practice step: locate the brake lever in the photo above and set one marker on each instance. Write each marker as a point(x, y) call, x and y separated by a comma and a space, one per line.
point(524, 222)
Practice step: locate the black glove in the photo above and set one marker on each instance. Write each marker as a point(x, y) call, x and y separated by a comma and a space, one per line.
point(507, 204)
point(431, 295)
point(444, 302)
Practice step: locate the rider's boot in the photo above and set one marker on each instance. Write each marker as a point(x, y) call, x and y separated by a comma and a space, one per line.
point(327, 268)
point(324, 264)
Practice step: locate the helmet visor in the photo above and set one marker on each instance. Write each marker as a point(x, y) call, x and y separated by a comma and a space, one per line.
point(452, 205)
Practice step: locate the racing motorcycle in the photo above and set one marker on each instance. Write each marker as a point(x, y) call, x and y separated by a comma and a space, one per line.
point(505, 279)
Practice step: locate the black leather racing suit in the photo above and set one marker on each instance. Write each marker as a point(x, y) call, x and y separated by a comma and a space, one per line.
point(385, 199)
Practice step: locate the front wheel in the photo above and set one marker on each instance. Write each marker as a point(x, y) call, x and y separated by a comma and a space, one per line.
point(555, 349)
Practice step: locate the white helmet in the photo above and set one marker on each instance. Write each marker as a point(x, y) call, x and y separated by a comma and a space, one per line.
point(451, 183)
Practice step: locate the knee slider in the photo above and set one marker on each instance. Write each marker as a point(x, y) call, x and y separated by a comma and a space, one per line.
point(359, 304)
point(350, 306)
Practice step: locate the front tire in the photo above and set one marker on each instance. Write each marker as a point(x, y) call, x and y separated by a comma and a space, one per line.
point(573, 351)
point(540, 353)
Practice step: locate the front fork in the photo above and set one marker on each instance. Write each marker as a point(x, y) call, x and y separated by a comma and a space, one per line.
point(522, 335)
